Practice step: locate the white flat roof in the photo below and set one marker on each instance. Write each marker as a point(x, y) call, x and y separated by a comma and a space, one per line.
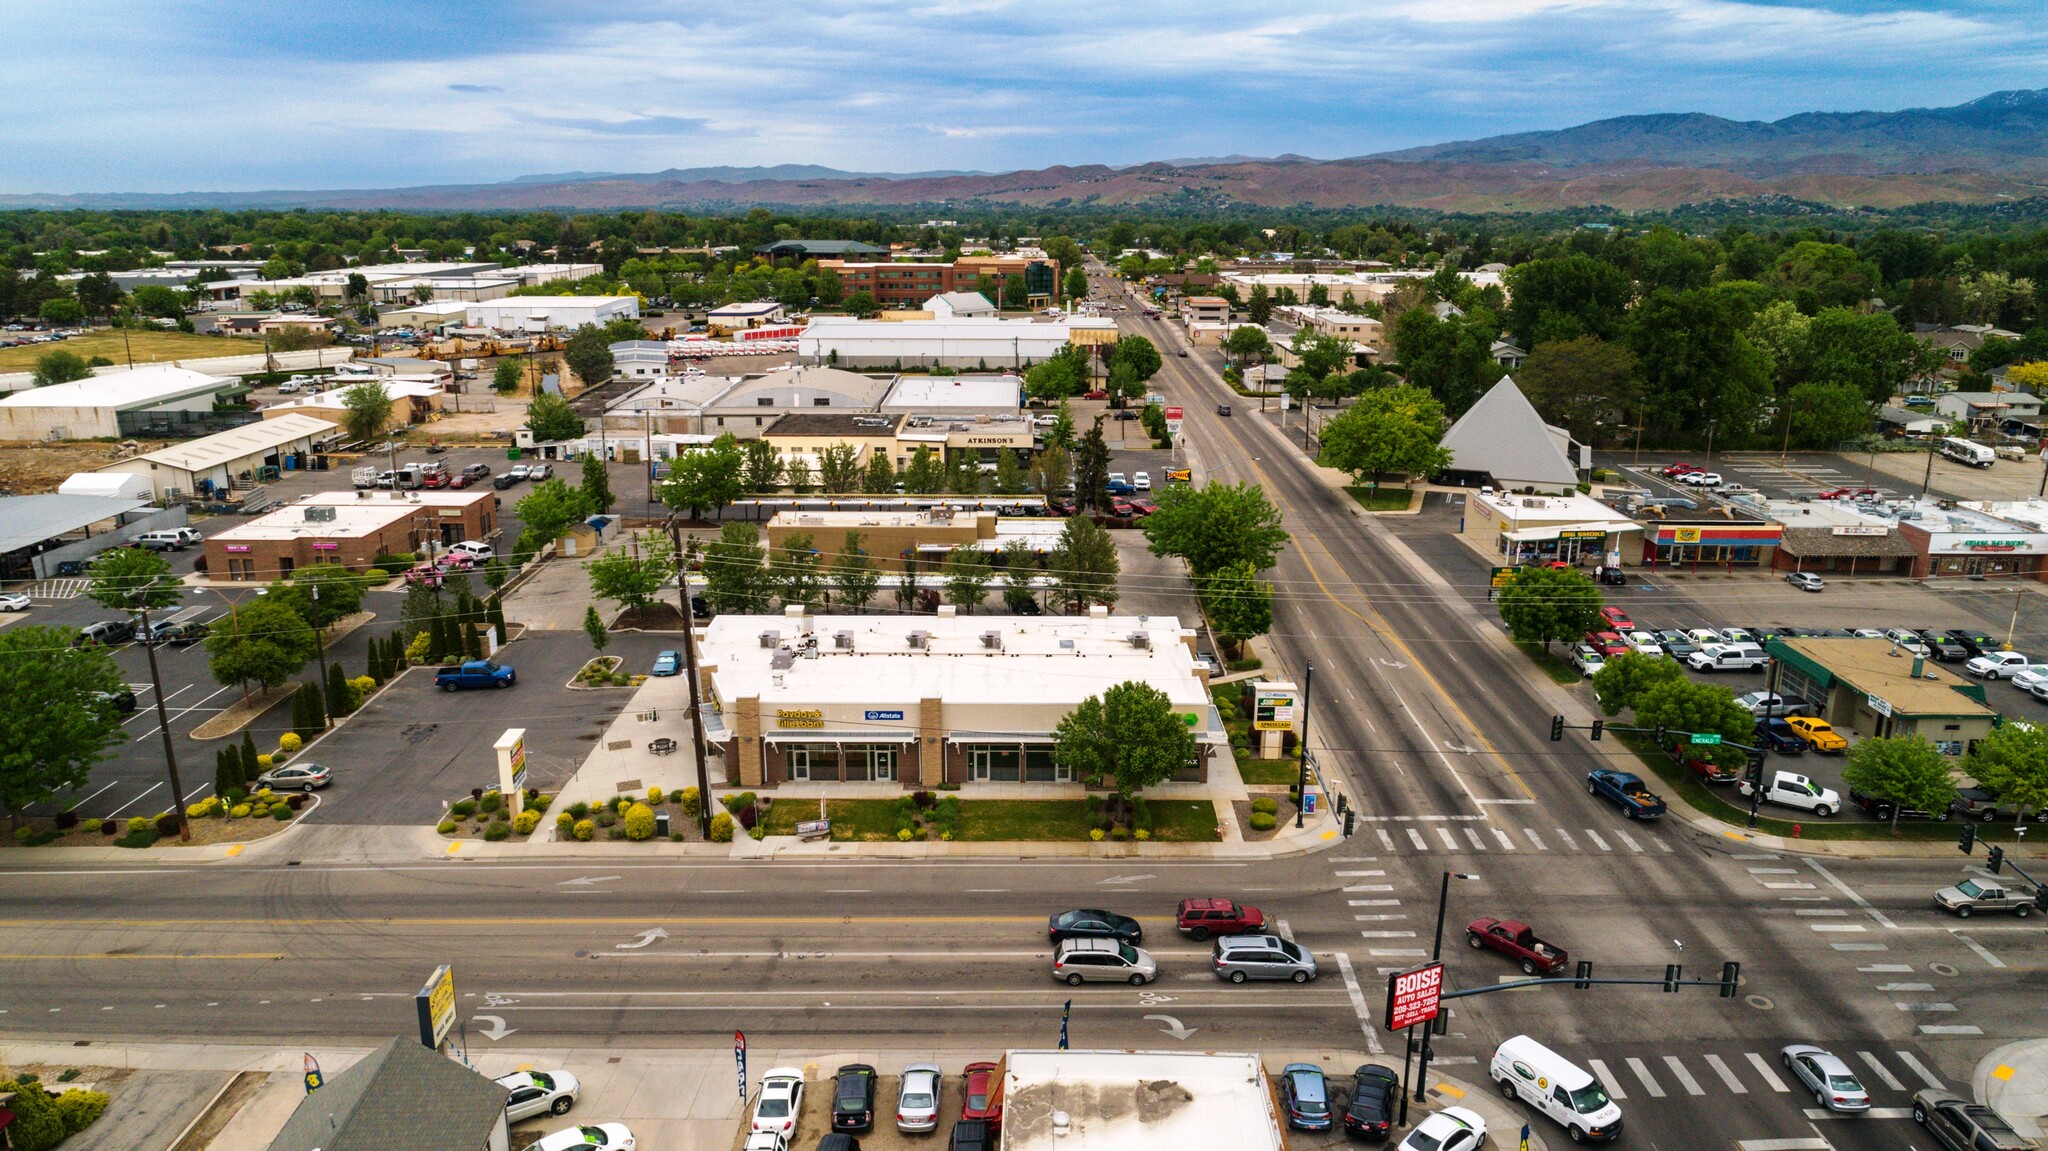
point(947, 328)
point(429, 497)
point(1043, 660)
point(1824, 514)
point(350, 521)
point(751, 308)
point(1580, 509)
point(238, 443)
point(1138, 1101)
point(956, 392)
point(154, 384)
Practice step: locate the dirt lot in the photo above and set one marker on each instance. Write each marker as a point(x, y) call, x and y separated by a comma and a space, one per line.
point(816, 1121)
point(30, 467)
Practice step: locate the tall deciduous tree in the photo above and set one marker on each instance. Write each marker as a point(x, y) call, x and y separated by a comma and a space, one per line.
point(925, 474)
point(763, 467)
point(1050, 470)
point(546, 512)
point(593, 626)
point(597, 484)
point(797, 571)
point(1009, 474)
point(260, 642)
point(839, 468)
point(1565, 297)
point(968, 573)
point(1020, 567)
point(59, 367)
point(1701, 708)
point(550, 418)
point(1541, 605)
point(2013, 762)
point(1084, 564)
point(57, 716)
point(588, 354)
point(1238, 603)
point(1248, 344)
point(1388, 431)
point(706, 479)
point(1906, 770)
point(1622, 681)
point(366, 410)
point(506, 376)
point(1130, 734)
point(1580, 384)
point(734, 581)
point(879, 477)
point(1091, 469)
point(862, 304)
point(1215, 526)
point(634, 576)
point(854, 574)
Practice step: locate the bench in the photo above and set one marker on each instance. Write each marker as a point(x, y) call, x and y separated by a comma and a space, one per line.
point(814, 829)
point(662, 746)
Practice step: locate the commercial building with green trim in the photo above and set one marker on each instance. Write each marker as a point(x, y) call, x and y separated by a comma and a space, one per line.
point(1871, 687)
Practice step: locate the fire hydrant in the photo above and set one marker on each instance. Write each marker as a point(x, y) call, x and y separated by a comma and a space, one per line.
point(1796, 829)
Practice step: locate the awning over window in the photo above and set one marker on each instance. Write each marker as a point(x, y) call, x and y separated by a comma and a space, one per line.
point(801, 735)
point(1001, 737)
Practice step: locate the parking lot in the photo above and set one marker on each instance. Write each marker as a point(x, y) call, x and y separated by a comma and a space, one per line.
point(1802, 475)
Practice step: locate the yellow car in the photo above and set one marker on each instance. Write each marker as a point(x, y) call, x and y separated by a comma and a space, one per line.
point(1819, 734)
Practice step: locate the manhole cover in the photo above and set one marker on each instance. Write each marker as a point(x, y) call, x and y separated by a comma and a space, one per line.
point(1942, 968)
point(1760, 1002)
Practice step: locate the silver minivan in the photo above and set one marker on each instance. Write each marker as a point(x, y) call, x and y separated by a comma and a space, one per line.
point(1081, 961)
point(1241, 957)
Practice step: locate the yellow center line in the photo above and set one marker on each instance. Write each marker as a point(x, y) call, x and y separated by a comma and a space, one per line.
point(1387, 634)
point(520, 921)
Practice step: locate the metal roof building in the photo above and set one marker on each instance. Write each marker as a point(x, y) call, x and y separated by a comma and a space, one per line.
point(113, 405)
point(1503, 439)
point(212, 462)
point(400, 1097)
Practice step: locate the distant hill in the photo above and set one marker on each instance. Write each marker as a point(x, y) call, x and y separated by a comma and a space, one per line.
point(1990, 149)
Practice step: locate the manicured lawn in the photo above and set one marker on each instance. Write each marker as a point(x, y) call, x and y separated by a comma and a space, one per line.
point(1553, 665)
point(1387, 499)
point(997, 820)
point(1183, 820)
point(147, 346)
point(852, 819)
point(1269, 770)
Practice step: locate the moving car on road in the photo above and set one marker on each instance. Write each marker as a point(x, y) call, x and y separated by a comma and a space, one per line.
point(1198, 919)
point(1238, 958)
point(1078, 961)
point(1626, 791)
point(1518, 942)
point(1974, 895)
point(1961, 1125)
point(1834, 1086)
point(1089, 923)
point(1805, 581)
point(1528, 1071)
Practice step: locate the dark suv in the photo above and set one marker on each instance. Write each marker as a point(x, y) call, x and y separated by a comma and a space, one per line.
point(853, 1098)
point(1880, 808)
point(1943, 647)
point(477, 471)
point(1973, 641)
point(1201, 918)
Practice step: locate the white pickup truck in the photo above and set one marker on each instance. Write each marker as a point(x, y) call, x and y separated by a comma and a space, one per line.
point(1792, 790)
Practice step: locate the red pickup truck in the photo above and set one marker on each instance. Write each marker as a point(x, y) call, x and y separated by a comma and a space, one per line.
point(1516, 941)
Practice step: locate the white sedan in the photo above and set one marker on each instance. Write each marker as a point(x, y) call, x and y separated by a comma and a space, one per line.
point(1701, 479)
point(781, 1101)
point(917, 1105)
point(1452, 1129)
point(2030, 677)
point(14, 601)
point(539, 1093)
point(610, 1136)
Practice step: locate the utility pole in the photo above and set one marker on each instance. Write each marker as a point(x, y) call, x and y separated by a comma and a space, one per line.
point(163, 725)
point(1436, 954)
point(1308, 675)
point(675, 535)
point(1927, 479)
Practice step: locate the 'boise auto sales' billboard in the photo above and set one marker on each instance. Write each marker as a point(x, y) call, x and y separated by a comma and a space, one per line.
point(1414, 996)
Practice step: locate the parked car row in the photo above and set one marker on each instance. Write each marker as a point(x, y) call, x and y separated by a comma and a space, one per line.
point(779, 1106)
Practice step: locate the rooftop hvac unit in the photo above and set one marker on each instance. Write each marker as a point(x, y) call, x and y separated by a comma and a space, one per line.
point(320, 513)
point(921, 639)
point(993, 640)
point(770, 638)
point(842, 640)
point(1141, 639)
point(782, 660)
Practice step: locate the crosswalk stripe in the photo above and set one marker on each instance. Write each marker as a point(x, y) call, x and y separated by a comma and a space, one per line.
point(1450, 841)
point(1905, 987)
point(1376, 918)
point(1817, 911)
point(1388, 934)
point(1764, 1069)
point(1662, 846)
point(1625, 837)
point(1734, 1085)
point(1355, 874)
point(1385, 838)
point(1597, 841)
point(1936, 1007)
point(1370, 887)
point(1416, 836)
point(1844, 928)
point(1534, 838)
point(1374, 902)
point(1685, 1079)
point(1567, 837)
point(1507, 842)
point(1607, 1079)
point(1882, 1072)
point(1962, 1029)
point(1478, 844)
point(1643, 1073)
point(1918, 1068)
point(1886, 968)
point(1774, 871)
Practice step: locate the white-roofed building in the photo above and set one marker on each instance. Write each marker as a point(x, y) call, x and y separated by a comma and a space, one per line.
point(968, 343)
point(946, 305)
point(898, 701)
point(158, 400)
point(639, 359)
point(1502, 441)
point(956, 395)
point(1138, 1101)
point(212, 463)
point(550, 313)
point(413, 401)
point(432, 314)
point(728, 318)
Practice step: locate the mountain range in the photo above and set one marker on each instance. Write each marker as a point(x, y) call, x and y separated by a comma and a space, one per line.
point(1992, 148)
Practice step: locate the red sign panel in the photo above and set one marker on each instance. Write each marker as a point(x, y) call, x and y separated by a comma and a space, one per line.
point(1414, 996)
point(1173, 413)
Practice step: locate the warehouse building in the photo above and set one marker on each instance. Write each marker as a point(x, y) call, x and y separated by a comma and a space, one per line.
point(158, 402)
point(241, 456)
point(928, 700)
point(957, 395)
point(975, 343)
point(412, 402)
point(913, 539)
point(551, 313)
point(349, 529)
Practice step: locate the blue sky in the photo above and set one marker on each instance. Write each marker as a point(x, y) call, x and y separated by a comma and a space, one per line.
point(234, 95)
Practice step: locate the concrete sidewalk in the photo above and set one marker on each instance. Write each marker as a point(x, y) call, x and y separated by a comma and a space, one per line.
point(675, 1099)
point(2014, 1081)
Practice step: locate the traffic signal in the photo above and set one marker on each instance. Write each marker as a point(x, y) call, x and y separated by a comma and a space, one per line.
point(1597, 725)
point(1671, 973)
point(1731, 978)
point(2041, 899)
point(1584, 975)
point(1969, 839)
point(1994, 858)
point(1350, 818)
point(1556, 728)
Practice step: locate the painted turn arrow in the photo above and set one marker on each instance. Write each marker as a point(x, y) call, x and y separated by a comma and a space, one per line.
point(586, 880)
point(1173, 1026)
point(497, 1028)
point(1124, 879)
point(643, 939)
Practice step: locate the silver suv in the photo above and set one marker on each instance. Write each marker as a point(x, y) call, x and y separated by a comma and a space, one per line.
point(1081, 961)
point(1241, 957)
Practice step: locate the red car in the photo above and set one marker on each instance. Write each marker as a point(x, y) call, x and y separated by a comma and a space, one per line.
point(1122, 508)
point(980, 1089)
point(1142, 506)
point(1097, 394)
point(1198, 919)
point(1617, 619)
point(426, 574)
point(1847, 494)
point(1673, 471)
point(1517, 941)
point(460, 481)
point(435, 480)
point(1607, 643)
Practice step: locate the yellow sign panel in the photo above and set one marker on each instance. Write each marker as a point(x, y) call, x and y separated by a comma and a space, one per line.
point(1272, 710)
point(799, 717)
point(1685, 535)
point(436, 1007)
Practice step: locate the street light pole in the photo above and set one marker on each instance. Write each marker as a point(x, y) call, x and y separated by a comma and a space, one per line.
point(675, 533)
point(1436, 954)
point(163, 724)
point(1308, 675)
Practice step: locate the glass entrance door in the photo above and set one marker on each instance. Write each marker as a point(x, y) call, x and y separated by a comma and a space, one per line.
point(799, 764)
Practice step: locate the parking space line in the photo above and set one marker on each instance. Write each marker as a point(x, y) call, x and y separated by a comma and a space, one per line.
point(153, 787)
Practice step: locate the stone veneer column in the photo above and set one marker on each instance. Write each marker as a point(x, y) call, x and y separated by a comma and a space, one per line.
point(746, 739)
point(931, 742)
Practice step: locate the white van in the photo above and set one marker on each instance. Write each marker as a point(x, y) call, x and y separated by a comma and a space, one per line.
point(1965, 452)
point(1527, 1070)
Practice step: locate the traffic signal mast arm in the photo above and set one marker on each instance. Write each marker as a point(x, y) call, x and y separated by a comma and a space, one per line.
point(1731, 978)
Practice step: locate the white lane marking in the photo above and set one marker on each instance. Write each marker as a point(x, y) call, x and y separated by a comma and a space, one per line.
point(1859, 947)
point(1507, 842)
point(1886, 968)
point(1847, 928)
point(1286, 929)
point(1854, 896)
point(1643, 1073)
point(1764, 1069)
point(1977, 947)
point(1625, 837)
point(1370, 887)
point(1883, 1073)
point(1774, 871)
point(1373, 902)
point(1385, 839)
point(1534, 838)
point(1356, 874)
point(1597, 841)
point(1936, 1008)
point(1914, 1065)
point(1685, 1079)
point(1791, 886)
point(1376, 918)
point(1819, 911)
point(1388, 934)
point(1395, 952)
point(1784, 1145)
point(1356, 859)
point(1756, 855)
point(1860, 1116)
point(1905, 987)
point(1662, 846)
point(1358, 1004)
point(1416, 837)
point(1567, 837)
point(1735, 1086)
point(1607, 1079)
point(1450, 841)
point(1507, 802)
point(1805, 898)
point(1477, 843)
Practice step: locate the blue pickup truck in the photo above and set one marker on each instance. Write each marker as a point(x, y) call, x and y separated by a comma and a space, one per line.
point(475, 673)
point(1627, 792)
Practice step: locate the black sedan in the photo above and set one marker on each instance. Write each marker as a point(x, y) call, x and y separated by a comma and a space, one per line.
point(1944, 647)
point(1086, 923)
point(853, 1098)
point(1373, 1091)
